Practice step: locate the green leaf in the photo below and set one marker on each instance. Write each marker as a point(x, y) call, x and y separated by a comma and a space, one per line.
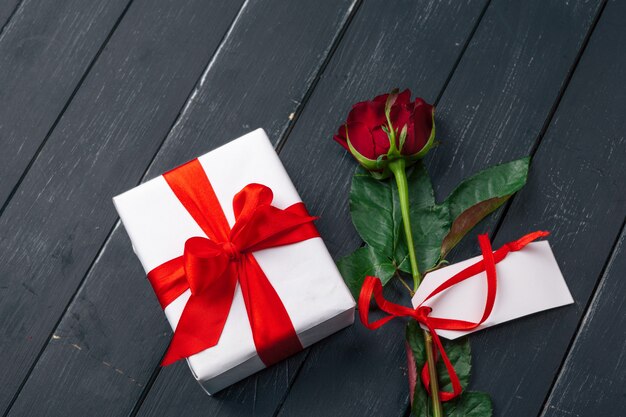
point(375, 208)
point(421, 193)
point(421, 406)
point(429, 225)
point(480, 195)
point(498, 181)
point(436, 228)
point(458, 352)
point(467, 220)
point(460, 355)
point(362, 262)
point(375, 211)
point(415, 338)
point(469, 404)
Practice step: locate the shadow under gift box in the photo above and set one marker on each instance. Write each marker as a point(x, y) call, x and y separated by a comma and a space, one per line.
point(303, 274)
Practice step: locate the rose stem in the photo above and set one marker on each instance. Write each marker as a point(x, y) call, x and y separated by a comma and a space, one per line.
point(398, 168)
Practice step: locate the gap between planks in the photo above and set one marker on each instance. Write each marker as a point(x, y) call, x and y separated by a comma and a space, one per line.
point(584, 316)
point(35, 155)
point(555, 105)
point(10, 17)
point(64, 108)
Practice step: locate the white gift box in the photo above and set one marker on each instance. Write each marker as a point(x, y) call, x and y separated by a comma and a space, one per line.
point(303, 274)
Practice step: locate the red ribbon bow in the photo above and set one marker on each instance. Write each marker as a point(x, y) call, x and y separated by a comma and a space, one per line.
point(212, 267)
point(373, 286)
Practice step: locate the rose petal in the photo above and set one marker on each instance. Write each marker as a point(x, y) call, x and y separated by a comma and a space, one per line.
point(341, 132)
point(404, 97)
point(369, 113)
point(422, 124)
point(381, 98)
point(381, 141)
point(340, 137)
point(400, 116)
point(411, 146)
point(361, 139)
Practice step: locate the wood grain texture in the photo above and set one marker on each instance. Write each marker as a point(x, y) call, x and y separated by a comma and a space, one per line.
point(575, 190)
point(493, 110)
point(150, 90)
point(44, 52)
point(110, 341)
point(60, 216)
point(592, 382)
point(7, 9)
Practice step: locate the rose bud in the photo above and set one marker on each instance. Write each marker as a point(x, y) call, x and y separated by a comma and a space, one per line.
point(387, 128)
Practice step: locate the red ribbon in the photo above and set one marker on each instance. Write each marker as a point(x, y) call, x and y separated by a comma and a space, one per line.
point(212, 267)
point(373, 286)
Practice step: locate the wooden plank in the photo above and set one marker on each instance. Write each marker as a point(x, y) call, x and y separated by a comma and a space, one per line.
point(487, 114)
point(576, 191)
point(45, 51)
point(62, 213)
point(591, 382)
point(100, 360)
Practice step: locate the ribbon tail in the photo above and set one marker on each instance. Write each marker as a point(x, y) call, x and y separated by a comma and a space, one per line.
point(273, 332)
point(454, 378)
point(201, 324)
point(373, 286)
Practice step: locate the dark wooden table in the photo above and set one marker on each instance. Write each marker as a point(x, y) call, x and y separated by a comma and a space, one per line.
point(97, 96)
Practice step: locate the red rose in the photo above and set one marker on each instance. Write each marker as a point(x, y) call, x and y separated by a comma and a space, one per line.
point(368, 136)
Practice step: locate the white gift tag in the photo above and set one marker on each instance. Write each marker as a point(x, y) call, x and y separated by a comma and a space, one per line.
point(528, 281)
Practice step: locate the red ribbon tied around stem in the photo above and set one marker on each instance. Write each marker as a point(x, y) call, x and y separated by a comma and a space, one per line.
point(373, 286)
point(211, 268)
